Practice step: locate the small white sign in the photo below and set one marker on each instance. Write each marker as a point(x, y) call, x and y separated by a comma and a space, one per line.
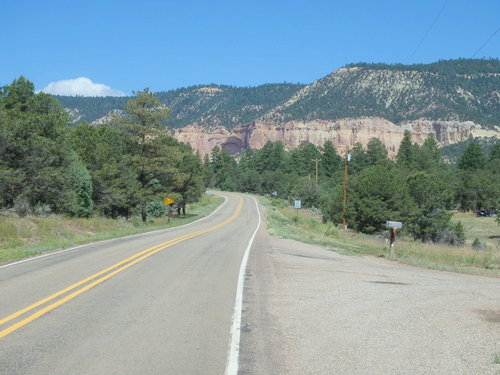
point(394, 224)
point(298, 204)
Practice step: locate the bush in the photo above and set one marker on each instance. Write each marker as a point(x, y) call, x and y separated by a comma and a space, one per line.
point(156, 209)
point(22, 207)
point(42, 209)
point(478, 245)
point(330, 230)
point(448, 237)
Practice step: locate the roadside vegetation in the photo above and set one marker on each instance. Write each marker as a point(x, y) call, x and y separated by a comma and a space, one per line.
point(22, 237)
point(367, 188)
point(308, 227)
point(114, 170)
point(496, 359)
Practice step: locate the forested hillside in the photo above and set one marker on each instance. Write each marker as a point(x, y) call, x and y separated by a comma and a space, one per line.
point(204, 105)
point(461, 90)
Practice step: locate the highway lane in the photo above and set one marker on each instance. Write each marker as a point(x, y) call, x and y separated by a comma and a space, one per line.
point(169, 313)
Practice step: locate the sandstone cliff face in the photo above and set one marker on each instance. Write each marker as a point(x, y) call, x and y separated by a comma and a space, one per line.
point(344, 133)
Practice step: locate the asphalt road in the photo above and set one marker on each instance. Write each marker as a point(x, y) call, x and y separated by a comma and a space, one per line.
point(167, 311)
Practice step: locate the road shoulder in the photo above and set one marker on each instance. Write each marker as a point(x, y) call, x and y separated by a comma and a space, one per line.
point(308, 310)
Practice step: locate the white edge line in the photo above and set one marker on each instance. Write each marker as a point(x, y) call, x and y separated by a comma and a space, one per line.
point(234, 343)
point(112, 239)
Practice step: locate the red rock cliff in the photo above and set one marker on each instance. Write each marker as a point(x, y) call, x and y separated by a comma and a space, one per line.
point(344, 133)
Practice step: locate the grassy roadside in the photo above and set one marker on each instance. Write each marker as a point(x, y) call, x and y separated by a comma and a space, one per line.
point(283, 222)
point(28, 236)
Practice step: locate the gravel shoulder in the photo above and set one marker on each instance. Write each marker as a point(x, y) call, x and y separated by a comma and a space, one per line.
point(309, 310)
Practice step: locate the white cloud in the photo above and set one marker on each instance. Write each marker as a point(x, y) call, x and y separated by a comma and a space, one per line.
point(82, 86)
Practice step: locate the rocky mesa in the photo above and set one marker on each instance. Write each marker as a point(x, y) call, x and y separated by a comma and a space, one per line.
point(343, 133)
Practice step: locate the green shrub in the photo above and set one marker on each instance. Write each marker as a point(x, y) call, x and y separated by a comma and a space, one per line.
point(478, 244)
point(278, 202)
point(156, 209)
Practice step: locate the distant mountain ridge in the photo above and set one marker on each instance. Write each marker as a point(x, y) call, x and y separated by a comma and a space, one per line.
point(452, 90)
point(206, 105)
point(457, 90)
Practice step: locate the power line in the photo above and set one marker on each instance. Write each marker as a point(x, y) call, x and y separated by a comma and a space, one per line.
point(485, 43)
point(428, 30)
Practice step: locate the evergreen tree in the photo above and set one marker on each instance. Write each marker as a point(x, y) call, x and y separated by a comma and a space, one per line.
point(36, 164)
point(104, 151)
point(208, 173)
point(331, 162)
point(331, 204)
point(495, 152)
point(359, 160)
point(406, 157)
point(303, 159)
point(427, 156)
point(472, 158)
point(376, 152)
point(378, 194)
point(271, 157)
point(224, 169)
point(186, 176)
point(79, 196)
point(430, 218)
point(150, 152)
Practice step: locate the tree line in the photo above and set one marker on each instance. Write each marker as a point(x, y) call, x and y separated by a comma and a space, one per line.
point(418, 188)
point(123, 168)
point(447, 67)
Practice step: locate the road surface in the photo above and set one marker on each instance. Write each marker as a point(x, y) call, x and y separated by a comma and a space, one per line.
point(129, 306)
point(103, 309)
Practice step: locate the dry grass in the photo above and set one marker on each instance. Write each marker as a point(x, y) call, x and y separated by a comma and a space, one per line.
point(483, 228)
point(307, 227)
point(28, 236)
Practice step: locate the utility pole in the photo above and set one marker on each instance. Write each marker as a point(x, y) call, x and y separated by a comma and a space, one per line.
point(346, 176)
point(316, 161)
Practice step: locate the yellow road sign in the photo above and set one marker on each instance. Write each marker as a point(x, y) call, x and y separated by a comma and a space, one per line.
point(167, 201)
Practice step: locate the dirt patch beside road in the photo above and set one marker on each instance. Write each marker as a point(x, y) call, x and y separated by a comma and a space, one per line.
point(308, 310)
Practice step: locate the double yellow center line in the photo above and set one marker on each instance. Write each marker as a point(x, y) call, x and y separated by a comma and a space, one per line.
point(100, 277)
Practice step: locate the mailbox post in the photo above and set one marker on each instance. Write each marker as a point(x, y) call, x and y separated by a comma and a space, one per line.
point(297, 205)
point(393, 226)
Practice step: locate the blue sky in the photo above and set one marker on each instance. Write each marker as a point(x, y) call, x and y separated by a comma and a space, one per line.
point(130, 45)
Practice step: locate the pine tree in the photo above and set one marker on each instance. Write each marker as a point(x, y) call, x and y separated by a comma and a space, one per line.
point(376, 152)
point(37, 166)
point(331, 162)
point(472, 158)
point(378, 194)
point(150, 152)
point(406, 152)
point(427, 156)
